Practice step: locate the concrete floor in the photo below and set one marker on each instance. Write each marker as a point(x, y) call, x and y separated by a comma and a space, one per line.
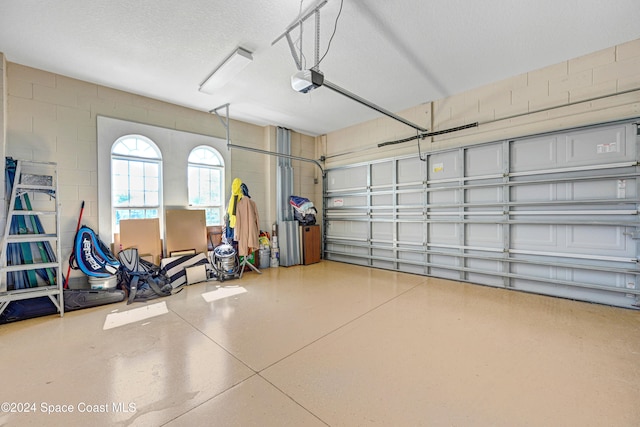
point(327, 344)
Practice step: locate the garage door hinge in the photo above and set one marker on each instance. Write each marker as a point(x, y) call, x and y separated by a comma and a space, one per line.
point(633, 234)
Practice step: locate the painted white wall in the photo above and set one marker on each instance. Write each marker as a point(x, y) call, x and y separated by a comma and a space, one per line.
point(175, 147)
point(53, 118)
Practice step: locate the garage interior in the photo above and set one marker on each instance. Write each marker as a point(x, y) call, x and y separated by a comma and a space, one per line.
point(477, 194)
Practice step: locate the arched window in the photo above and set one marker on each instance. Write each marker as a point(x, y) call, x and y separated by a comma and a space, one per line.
point(206, 182)
point(135, 179)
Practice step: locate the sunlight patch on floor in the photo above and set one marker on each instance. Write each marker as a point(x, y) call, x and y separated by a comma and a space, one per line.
point(114, 320)
point(221, 293)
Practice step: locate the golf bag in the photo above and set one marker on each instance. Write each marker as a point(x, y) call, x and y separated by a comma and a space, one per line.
point(140, 279)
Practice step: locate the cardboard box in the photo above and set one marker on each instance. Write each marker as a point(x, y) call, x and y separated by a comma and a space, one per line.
point(186, 229)
point(143, 234)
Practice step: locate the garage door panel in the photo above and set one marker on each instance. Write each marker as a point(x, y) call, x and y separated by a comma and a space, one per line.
point(534, 154)
point(485, 279)
point(410, 170)
point(554, 214)
point(445, 265)
point(611, 188)
point(484, 195)
point(445, 273)
point(444, 197)
point(483, 265)
point(386, 262)
point(446, 233)
point(534, 270)
point(444, 166)
point(346, 250)
point(601, 278)
point(598, 146)
point(484, 235)
point(348, 201)
point(534, 193)
point(342, 179)
point(410, 198)
point(606, 240)
point(386, 265)
point(411, 268)
point(382, 174)
point(410, 232)
point(382, 200)
point(382, 231)
point(484, 160)
point(348, 229)
point(414, 256)
point(534, 236)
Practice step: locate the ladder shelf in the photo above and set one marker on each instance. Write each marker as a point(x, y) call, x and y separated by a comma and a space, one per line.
point(30, 251)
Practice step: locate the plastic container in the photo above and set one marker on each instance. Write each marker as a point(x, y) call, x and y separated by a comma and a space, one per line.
point(263, 256)
point(275, 257)
point(98, 283)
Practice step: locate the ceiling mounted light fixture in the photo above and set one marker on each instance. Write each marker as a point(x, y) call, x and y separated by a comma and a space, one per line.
point(226, 71)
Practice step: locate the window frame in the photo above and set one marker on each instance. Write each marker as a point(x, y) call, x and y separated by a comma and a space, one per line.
point(175, 146)
point(220, 167)
point(153, 160)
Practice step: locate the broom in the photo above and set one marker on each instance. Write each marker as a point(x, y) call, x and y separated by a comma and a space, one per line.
point(66, 280)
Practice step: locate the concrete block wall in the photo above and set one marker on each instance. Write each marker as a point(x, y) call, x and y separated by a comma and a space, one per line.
point(595, 88)
point(3, 131)
point(359, 142)
point(50, 117)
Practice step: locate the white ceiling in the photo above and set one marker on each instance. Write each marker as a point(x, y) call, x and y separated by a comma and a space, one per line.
point(395, 54)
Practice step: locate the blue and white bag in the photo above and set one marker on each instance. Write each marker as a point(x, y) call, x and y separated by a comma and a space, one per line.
point(91, 255)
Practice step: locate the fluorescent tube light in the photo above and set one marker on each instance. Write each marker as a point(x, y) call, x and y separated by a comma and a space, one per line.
point(226, 71)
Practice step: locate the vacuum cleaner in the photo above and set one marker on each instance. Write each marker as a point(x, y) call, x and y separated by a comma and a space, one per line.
point(225, 262)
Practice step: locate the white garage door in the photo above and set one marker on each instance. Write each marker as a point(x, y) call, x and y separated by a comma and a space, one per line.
point(554, 214)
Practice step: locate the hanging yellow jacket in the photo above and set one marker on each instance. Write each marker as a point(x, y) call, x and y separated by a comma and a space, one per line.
point(236, 194)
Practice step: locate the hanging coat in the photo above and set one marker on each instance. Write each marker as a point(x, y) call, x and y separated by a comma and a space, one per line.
point(247, 229)
point(236, 195)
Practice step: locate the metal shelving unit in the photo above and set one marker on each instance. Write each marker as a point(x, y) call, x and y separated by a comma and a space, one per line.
point(30, 253)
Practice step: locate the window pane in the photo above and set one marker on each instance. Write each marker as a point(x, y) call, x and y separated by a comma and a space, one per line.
point(120, 167)
point(206, 181)
point(205, 156)
point(152, 199)
point(136, 183)
point(151, 183)
point(121, 148)
point(120, 182)
point(121, 214)
point(135, 180)
point(151, 169)
point(216, 186)
point(204, 186)
point(121, 199)
point(135, 146)
point(136, 213)
point(136, 169)
point(213, 216)
point(137, 198)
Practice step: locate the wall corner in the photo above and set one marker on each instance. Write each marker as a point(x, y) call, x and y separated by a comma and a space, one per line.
point(3, 128)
